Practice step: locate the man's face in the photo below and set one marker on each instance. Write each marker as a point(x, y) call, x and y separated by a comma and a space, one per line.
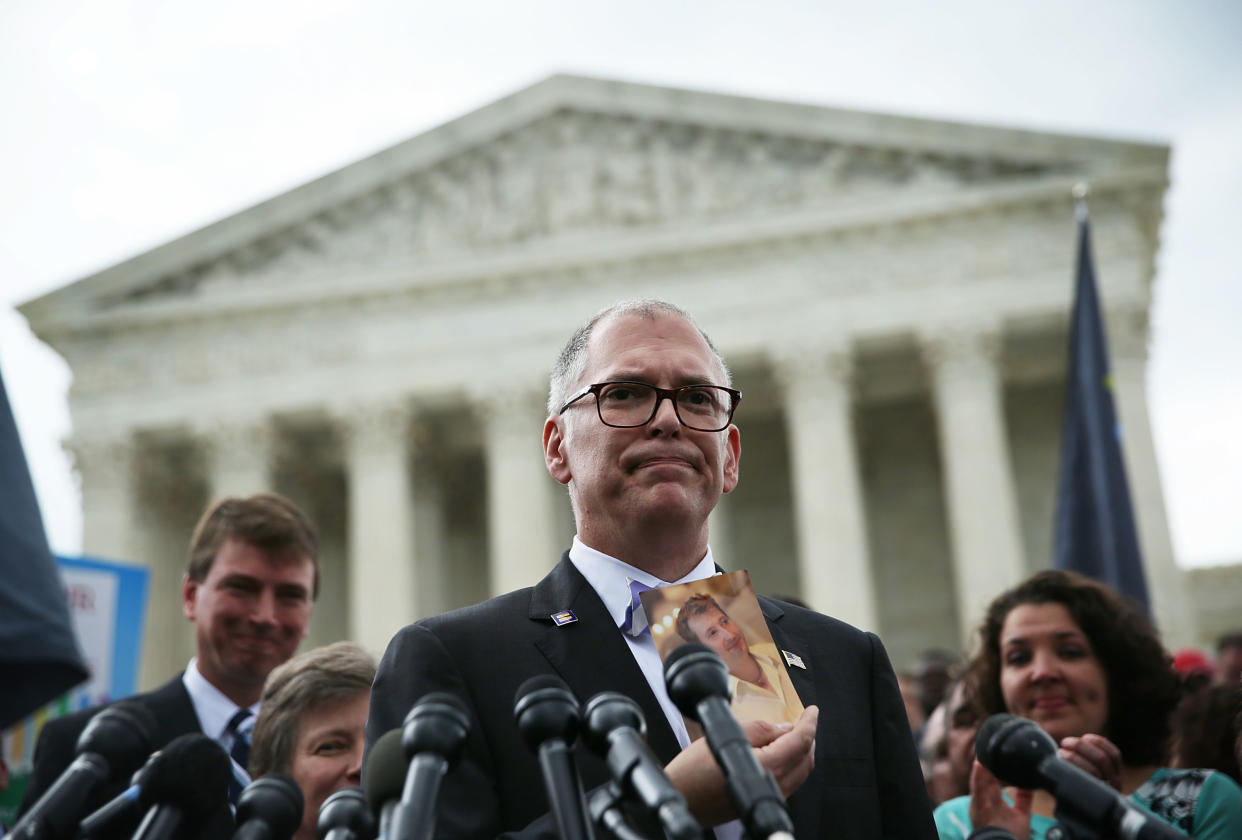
point(714, 628)
point(249, 613)
point(622, 479)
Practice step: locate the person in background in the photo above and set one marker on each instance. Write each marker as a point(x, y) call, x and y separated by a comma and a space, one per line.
point(1206, 729)
point(934, 670)
point(312, 724)
point(950, 751)
point(1229, 659)
point(909, 687)
point(1194, 667)
point(248, 588)
point(1087, 666)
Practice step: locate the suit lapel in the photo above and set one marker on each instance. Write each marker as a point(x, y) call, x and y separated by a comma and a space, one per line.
point(590, 654)
point(787, 638)
point(173, 709)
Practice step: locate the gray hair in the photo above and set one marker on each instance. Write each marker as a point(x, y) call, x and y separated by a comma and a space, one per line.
point(324, 675)
point(572, 362)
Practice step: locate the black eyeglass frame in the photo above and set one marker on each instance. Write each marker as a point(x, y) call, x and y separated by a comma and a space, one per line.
point(669, 394)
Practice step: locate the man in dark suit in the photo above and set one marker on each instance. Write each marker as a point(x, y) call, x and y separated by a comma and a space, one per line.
point(249, 583)
point(640, 429)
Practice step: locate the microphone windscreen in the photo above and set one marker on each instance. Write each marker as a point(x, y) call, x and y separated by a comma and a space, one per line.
point(385, 770)
point(692, 673)
point(274, 800)
point(123, 733)
point(192, 773)
point(544, 707)
point(437, 723)
point(347, 809)
point(1012, 749)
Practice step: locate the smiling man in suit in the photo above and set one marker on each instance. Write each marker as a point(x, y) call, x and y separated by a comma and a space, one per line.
point(248, 587)
point(640, 430)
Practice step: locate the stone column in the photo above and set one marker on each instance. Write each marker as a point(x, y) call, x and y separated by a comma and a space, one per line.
point(380, 526)
point(978, 474)
point(522, 543)
point(239, 457)
point(1166, 583)
point(124, 521)
point(834, 563)
point(108, 473)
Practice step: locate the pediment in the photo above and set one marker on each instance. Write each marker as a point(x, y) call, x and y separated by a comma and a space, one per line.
point(574, 158)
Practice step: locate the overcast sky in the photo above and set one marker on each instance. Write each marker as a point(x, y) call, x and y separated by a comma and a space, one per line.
point(126, 124)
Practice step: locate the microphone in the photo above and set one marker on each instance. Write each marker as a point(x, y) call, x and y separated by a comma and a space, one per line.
point(547, 717)
point(114, 743)
point(698, 683)
point(384, 778)
point(122, 806)
point(616, 730)
point(607, 813)
point(433, 735)
point(188, 781)
point(345, 815)
point(269, 808)
point(1019, 753)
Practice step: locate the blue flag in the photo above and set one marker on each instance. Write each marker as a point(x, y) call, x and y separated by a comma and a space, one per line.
point(1095, 532)
point(39, 654)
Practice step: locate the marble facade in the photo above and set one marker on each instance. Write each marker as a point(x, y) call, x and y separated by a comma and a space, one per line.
point(892, 294)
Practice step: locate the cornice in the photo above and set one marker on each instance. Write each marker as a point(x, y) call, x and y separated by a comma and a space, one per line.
point(572, 258)
point(250, 230)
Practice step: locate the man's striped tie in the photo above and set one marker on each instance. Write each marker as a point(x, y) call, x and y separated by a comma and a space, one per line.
point(240, 727)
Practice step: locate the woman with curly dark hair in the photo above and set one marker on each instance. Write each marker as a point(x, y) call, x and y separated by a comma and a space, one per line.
point(1088, 667)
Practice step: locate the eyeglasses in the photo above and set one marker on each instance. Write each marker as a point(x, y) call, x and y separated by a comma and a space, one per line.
point(625, 405)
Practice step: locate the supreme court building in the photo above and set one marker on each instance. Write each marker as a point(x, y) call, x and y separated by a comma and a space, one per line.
point(891, 293)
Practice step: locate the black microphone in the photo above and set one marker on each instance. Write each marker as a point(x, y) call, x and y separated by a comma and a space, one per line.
point(187, 783)
point(1019, 753)
point(114, 743)
point(345, 815)
point(616, 730)
point(383, 778)
point(269, 808)
point(605, 806)
point(123, 806)
point(698, 683)
point(547, 716)
point(433, 735)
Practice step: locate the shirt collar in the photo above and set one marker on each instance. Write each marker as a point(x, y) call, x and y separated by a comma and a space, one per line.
point(214, 710)
point(610, 577)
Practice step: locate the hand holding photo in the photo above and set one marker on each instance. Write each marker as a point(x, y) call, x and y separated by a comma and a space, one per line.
point(723, 613)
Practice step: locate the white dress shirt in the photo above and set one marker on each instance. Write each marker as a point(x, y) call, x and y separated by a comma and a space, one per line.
point(214, 710)
point(610, 578)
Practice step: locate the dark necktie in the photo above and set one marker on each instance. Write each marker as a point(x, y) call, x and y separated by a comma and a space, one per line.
point(239, 727)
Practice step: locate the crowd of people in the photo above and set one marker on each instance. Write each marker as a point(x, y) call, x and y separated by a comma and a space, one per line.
point(640, 431)
point(1088, 667)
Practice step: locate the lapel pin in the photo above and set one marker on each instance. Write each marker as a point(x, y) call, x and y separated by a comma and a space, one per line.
point(560, 619)
point(794, 659)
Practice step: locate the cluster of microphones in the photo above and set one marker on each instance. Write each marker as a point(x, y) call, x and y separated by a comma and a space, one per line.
point(177, 791)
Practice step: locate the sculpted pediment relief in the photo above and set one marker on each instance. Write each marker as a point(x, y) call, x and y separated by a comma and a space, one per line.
point(571, 173)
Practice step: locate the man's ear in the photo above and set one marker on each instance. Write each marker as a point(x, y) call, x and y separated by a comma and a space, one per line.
point(189, 594)
point(554, 451)
point(733, 454)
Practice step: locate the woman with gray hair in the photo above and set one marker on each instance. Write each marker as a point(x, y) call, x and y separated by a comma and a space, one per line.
point(312, 724)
